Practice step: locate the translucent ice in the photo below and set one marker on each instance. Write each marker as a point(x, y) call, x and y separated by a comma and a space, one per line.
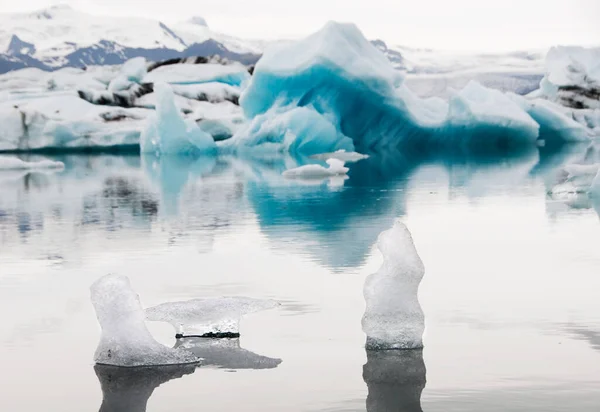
point(336, 168)
point(167, 132)
point(226, 354)
point(208, 316)
point(13, 163)
point(393, 318)
point(125, 340)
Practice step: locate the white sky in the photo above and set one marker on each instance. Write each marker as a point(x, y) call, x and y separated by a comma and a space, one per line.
point(453, 24)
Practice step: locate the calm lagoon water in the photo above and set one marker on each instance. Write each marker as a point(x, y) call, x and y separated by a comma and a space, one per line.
point(511, 293)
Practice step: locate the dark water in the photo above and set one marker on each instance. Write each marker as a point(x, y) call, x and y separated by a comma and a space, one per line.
point(511, 290)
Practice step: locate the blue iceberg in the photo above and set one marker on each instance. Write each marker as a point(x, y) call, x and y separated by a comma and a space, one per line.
point(336, 75)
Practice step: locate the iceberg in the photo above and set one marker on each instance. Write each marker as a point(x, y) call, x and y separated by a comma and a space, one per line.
point(233, 74)
point(167, 132)
point(14, 163)
point(339, 75)
point(64, 121)
point(208, 317)
point(572, 77)
point(336, 168)
point(132, 72)
point(393, 317)
point(125, 340)
point(226, 354)
point(129, 389)
point(557, 123)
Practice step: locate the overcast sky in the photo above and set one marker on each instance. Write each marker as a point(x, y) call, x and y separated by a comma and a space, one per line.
point(442, 24)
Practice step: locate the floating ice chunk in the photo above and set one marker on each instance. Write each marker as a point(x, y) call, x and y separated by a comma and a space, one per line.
point(167, 132)
point(125, 340)
point(13, 163)
point(233, 74)
point(344, 156)
point(208, 316)
point(129, 389)
point(226, 354)
point(573, 77)
point(132, 72)
point(395, 380)
point(393, 318)
point(336, 168)
point(350, 84)
point(557, 124)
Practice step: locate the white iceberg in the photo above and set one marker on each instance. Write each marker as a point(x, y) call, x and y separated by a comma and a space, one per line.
point(125, 340)
point(233, 74)
point(208, 317)
point(14, 163)
point(572, 77)
point(167, 132)
point(64, 121)
point(393, 318)
point(336, 168)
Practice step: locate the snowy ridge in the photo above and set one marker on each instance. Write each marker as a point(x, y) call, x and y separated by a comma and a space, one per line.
point(61, 36)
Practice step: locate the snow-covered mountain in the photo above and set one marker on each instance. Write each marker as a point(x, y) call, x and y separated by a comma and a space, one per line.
point(61, 36)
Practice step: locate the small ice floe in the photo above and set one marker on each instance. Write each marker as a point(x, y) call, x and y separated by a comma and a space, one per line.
point(208, 317)
point(307, 172)
point(226, 354)
point(13, 163)
point(393, 318)
point(344, 156)
point(125, 340)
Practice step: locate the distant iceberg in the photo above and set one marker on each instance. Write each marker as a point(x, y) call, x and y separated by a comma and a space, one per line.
point(337, 74)
point(167, 132)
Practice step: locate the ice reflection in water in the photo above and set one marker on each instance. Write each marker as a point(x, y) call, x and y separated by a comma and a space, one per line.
point(395, 380)
point(128, 389)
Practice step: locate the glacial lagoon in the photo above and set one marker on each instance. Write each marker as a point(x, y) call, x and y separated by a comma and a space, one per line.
point(510, 292)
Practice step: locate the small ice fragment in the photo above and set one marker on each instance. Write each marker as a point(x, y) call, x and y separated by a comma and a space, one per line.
point(125, 340)
point(344, 156)
point(226, 354)
point(336, 168)
point(212, 317)
point(393, 318)
point(13, 163)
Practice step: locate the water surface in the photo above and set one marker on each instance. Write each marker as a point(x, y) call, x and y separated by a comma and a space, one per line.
point(510, 294)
